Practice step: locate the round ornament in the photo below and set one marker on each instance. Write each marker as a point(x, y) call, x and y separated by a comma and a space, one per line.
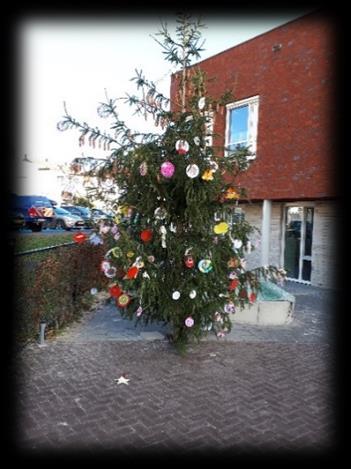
point(221, 228)
point(115, 291)
point(123, 300)
point(139, 262)
point(176, 295)
point(132, 273)
point(182, 147)
point(167, 169)
point(105, 265)
point(237, 243)
point(146, 236)
point(252, 298)
point(229, 308)
point(192, 171)
point(189, 261)
point(110, 272)
point(189, 322)
point(130, 254)
point(233, 284)
point(197, 141)
point(205, 266)
point(116, 252)
point(201, 103)
point(192, 294)
point(151, 259)
point(160, 213)
point(79, 238)
point(93, 291)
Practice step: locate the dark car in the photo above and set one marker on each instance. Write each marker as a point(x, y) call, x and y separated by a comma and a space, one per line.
point(82, 212)
point(37, 210)
point(16, 220)
point(66, 220)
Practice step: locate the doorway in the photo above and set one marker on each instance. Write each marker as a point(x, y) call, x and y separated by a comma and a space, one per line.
point(298, 229)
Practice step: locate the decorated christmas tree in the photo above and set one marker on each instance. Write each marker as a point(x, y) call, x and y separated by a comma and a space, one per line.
point(176, 249)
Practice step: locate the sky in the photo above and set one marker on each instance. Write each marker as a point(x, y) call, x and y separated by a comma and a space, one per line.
point(66, 60)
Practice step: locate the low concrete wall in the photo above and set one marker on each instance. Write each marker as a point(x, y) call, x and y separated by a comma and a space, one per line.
point(265, 313)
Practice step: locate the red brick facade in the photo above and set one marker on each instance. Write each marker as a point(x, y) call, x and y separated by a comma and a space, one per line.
point(295, 142)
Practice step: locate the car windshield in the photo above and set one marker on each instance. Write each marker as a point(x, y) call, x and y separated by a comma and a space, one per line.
point(62, 211)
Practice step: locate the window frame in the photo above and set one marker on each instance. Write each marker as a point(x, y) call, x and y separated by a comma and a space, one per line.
point(253, 110)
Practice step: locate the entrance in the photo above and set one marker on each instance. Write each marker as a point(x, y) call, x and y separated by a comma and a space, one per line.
point(298, 242)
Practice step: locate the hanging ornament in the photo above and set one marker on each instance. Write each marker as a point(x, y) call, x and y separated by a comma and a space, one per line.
point(182, 147)
point(197, 141)
point(123, 300)
point(243, 293)
point(213, 164)
point(116, 252)
point(221, 228)
point(93, 291)
point(207, 175)
point(232, 275)
point(201, 103)
point(139, 262)
point(167, 169)
point(252, 298)
point(172, 228)
point(130, 254)
point(146, 275)
point(110, 272)
point(151, 259)
point(192, 171)
point(139, 311)
point(189, 322)
point(233, 263)
point(146, 236)
point(95, 239)
point(105, 265)
point(107, 183)
point(233, 284)
point(160, 213)
point(163, 232)
point(192, 294)
point(231, 194)
point(132, 273)
point(229, 308)
point(189, 261)
point(176, 295)
point(205, 266)
point(104, 229)
point(143, 169)
point(189, 118)
point(237, 243)
point(115, 291)
point(80, 238)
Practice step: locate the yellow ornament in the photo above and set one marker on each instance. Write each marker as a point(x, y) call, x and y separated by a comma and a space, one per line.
point(117, 219)
point(207, 175)
point(130, 254)
point(231, 194)
point(221, 228)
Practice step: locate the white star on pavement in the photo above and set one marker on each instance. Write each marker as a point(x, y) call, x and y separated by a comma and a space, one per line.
point(122, 380)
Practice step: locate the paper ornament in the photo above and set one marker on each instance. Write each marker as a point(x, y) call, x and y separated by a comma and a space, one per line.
point(167, 169)
point(234, 263)
point(110, 272)
point(189, 261)
point(143, 169)
point(192, 294)
point(115, 291)
point(201, 103)
point(205, 266)
point(95, 239)
point(139, 311)
point(252, 298)
point(130, 254)
point(229, 308)
point(151, 259)
point(80, 238)
point(176, 295)
point(139, 262)
point(189, 322)
point(116, 252)
point(182, 147)
point(231, 194)
point(132, 273)
point(93, 291)
point(197, 141)
point(146, 235)
point(207, 175)
point(233, 284)
point(213, 164)
point(105, 265)
point(221, 228)
point(123, 300)
point(237, 243)
point(192, 171)
point(160, 213)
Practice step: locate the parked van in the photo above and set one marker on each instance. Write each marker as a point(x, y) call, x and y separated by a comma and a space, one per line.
point(37, 210)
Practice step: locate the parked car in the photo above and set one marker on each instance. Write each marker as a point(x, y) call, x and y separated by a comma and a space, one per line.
point(37, 210)
point(82, 212)
point(66, 220)
point(99, 215)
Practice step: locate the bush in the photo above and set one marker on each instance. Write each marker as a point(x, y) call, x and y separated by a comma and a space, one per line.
point(54, 287)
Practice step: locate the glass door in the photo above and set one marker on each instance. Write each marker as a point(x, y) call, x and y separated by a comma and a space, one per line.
point(298, 242)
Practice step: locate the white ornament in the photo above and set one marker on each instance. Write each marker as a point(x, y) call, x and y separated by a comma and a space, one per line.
point(192, 294)
point(201, 103)
point(122, 380)
point(192, 171)
point(163, 232)
point(160, 213)
point(237, 243)
point(176, 295)
point(197, 141)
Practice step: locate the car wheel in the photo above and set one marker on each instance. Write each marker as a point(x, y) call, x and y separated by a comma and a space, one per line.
point(61, 225)
point(36, 228)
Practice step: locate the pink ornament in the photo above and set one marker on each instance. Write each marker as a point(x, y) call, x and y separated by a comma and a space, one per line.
point(167, 169)
point(189, 322)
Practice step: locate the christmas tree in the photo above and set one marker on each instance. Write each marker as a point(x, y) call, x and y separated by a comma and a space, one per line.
point(178, 244)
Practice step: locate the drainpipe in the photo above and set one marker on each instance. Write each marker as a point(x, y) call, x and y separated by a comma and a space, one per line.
point(266, 231)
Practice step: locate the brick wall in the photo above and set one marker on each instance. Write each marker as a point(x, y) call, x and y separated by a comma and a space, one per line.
point(295, 146)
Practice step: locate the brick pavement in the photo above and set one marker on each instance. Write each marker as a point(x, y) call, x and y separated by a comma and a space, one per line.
point(270, 390)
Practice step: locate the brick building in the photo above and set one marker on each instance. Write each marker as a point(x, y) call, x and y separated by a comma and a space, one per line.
point(282, 81)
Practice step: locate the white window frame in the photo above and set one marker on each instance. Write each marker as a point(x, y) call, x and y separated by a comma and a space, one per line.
point(253, 104)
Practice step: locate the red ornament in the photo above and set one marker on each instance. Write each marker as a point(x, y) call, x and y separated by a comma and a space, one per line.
point(132, 272)
point(115, 291)
point(233, 284)
point(146, 236)
point(252, 298)
point(243, 293)
point(80, 237)
point(189, 261)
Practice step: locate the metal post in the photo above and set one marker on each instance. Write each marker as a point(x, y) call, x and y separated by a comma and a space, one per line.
point(42, 333)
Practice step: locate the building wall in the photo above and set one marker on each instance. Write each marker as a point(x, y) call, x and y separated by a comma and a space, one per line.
point(295, 142)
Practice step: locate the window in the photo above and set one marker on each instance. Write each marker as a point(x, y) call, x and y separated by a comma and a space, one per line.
point(242, 120)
